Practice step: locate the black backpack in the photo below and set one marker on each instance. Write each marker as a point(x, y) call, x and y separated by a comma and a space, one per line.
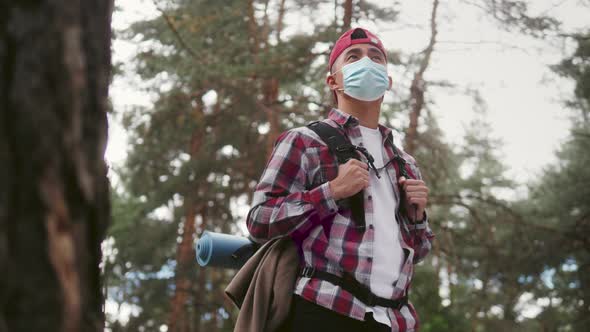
point(344, 150)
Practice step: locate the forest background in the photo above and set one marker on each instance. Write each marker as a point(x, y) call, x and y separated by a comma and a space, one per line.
point(492, 97)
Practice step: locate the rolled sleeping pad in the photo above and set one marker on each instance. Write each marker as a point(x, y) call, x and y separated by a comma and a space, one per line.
point(224, 250)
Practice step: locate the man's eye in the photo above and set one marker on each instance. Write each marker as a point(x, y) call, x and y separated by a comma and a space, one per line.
point(377, 58)
point(352, 57)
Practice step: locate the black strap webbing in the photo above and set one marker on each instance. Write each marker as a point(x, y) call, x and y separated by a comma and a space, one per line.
point(341, 147)
point(351, 285)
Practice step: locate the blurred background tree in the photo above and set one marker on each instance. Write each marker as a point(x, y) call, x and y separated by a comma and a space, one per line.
point(55, 73)
point(230, 76)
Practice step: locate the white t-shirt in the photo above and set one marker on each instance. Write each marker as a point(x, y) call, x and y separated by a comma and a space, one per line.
point(388, 255)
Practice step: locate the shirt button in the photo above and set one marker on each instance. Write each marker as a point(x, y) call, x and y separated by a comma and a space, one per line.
point(369, 259)
point(371, 226)
point(370, 197)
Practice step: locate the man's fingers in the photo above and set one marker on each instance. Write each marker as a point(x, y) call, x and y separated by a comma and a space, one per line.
point(365, 177)
point(417, 194)
point(357, 163)
point(416, 188)
point(413, 182)
point(421, 202)
point(410, 182)
point(360, 173)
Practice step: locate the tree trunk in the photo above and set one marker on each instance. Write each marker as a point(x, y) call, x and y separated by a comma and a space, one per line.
point(347, 19)
point(418, 87)
point(54, 191)
point(280, 20)
point(185, 252)
point(270, 91)
point(253, 39)
point(185, 258)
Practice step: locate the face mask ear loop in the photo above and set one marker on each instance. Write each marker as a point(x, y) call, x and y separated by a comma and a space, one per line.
point(332, 74)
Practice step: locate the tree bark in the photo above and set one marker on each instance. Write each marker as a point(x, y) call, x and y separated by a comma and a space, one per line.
point(54, 192)
point(280, 20)
point(270, 91)
point(185, 256)
point(185, 252)
point(347, 19)
point(418, 87)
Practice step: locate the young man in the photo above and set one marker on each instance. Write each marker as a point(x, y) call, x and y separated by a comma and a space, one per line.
point(357, 275)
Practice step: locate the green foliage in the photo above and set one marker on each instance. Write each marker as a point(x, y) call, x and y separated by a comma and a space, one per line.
point(559, 200)
point(577, 68)
point(187, 151)
point(515, 15)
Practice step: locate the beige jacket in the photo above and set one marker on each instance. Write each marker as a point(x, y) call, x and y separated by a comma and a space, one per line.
point(263, 287)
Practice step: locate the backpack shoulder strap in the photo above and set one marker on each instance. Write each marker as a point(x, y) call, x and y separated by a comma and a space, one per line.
point(341, 147)
point(401, 169)
point(338, 144)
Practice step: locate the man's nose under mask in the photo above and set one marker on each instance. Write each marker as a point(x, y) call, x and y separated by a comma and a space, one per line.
point(365, 79)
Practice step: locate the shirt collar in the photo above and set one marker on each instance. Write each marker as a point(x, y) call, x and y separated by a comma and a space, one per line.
point(342, 118)
point(346, 120)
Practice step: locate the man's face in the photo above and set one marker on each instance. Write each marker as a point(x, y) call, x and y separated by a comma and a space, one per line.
point(353, 53)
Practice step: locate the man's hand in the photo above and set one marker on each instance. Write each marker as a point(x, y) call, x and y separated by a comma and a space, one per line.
point(352, 177)
point(416, 196)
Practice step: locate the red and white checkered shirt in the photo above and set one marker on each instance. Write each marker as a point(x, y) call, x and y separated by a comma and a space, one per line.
point(293, 198)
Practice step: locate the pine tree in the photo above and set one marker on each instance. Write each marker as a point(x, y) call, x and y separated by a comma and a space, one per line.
point(228, 79)
point(54, 191)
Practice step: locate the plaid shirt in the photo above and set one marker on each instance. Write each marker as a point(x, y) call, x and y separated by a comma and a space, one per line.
point(293, 198)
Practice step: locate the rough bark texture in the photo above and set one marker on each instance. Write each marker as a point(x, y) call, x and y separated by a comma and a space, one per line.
point(54, 193)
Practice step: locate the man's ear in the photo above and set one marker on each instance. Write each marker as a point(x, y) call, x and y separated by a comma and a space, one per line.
point(331, 82)
point(390, 82)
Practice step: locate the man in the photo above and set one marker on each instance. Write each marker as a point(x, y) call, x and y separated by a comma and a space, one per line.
point(357, 278)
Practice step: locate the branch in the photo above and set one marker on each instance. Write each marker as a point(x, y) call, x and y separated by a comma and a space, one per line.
point(170, 24)
point(418, 85)
point(481, 42)
point(457, 199)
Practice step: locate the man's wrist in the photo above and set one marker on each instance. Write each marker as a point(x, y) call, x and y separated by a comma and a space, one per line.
point(332, 188)
point(422, 219)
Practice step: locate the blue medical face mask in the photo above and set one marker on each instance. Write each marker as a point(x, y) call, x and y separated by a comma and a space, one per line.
point(365, 79)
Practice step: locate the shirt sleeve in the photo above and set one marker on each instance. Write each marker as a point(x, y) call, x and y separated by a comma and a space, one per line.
point(281, 203)
point(420, 231)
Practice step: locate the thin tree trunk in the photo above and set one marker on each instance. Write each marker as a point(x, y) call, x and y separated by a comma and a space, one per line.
point(280, 20)
point(200, 290)
point(185, 256)
point(347, 19)
point(418, 87)
point(54, 192)
point(270, 89)
point(253, 34)
point(185, 252)
point(583, 314)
